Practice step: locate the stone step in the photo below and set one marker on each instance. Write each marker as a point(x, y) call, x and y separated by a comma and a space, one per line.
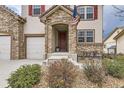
point(58, 57)
point(65, 57)
point(59, 54)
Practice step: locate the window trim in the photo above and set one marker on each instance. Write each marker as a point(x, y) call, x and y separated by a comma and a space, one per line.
point(88, 36)
point(85, 37)
point(85, 12)
point(33, 11)
point(80, 36)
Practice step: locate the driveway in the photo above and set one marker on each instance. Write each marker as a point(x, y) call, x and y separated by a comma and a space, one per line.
point(8, 66)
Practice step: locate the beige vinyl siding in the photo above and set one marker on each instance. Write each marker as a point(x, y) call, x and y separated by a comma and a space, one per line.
point(120, 45)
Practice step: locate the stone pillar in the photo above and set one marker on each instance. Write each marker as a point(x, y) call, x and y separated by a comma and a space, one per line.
point(46, 41)
point(15, 45)
point(72, 39)
point(49, 31)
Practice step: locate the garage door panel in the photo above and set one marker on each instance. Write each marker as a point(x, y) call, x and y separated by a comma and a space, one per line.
point(35, 47)
point(5, 43)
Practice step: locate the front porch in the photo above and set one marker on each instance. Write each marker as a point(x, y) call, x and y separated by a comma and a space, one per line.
point(60, 37)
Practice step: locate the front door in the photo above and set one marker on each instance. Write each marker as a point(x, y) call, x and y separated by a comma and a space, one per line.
point(62, 41)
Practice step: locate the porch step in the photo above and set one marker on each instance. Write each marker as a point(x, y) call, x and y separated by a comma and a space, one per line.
point(55, 57)
point(60, 54)
point(58, 57)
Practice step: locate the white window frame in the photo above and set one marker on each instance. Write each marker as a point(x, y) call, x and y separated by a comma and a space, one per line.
point(80, 36)
point(33, 7)
point(89, 12)
point(89, 36)
point(79, 10)
point(85, 12)
point(85, 35)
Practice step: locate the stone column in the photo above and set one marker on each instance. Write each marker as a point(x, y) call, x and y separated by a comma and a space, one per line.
point(15, 45)
point(49, 31)
point(22, 46)
point(72, 39)
point(46, 41)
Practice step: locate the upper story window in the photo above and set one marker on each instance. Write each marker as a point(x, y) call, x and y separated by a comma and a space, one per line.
point(36, 9)
point(85, 36)
point(89, 13)
point(86, 12)
point(81, 11)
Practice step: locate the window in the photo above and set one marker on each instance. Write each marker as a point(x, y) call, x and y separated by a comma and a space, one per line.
point(86, 35)
point(86, 12)
point(89, 13)
point(81, 11)
point(36, 9)
point(81, 36)
point(89, 36)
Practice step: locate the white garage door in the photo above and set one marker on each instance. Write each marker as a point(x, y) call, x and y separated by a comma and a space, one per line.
point(35, 47)
point(5, 42)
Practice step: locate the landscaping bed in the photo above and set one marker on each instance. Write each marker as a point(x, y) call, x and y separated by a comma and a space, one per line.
point(63, 74)
point(83, 82)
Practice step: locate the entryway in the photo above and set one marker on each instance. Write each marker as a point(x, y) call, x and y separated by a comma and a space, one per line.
point(60, 32)
point(62, 41)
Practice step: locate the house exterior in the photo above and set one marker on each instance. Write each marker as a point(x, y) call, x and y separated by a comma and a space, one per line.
point(110, 42)
point(43, 30)
point(120, 42)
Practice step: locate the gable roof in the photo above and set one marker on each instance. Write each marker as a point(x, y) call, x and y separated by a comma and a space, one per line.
point(111, 33)
point(119, 35)
point(13, 13)
point(54, 8)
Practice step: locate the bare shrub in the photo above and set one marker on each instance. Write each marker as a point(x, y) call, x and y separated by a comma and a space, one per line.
point(94, 72)
point(61, 74)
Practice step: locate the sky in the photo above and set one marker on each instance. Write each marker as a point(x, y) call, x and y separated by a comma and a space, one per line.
point(110, 21)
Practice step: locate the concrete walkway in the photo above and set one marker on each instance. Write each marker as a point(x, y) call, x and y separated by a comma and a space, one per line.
point(8, 66)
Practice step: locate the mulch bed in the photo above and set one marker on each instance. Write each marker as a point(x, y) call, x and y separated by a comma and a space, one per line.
point(83, 82)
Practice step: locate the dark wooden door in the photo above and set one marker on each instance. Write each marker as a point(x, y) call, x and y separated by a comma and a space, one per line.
point(62, 41)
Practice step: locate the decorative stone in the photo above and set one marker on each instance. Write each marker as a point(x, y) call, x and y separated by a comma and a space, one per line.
point(11, 25)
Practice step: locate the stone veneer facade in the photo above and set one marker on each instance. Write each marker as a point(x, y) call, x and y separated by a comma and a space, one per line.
point(90, 47)
point(12, 25)
point(60, 16)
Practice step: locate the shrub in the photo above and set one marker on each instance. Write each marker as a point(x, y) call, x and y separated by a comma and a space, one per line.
point(61, 74)
point(94, 73)
point(25, 77)
point(115, 68)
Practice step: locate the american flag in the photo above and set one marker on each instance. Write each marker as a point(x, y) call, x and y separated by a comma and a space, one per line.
point(75, 18)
